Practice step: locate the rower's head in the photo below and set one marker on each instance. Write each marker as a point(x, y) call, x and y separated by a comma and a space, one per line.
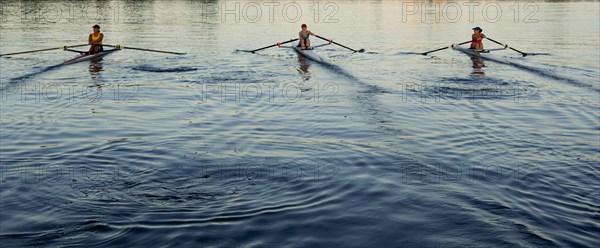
point(96, 28)
point(477, 30)
point(303, 26)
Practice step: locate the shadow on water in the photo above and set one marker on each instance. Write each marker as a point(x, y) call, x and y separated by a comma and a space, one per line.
point(548, 74)
point(475, 89)
point(149, 68)
point(341, 71)
point(20, 79)
point(531, 69)
point(366, 98)
point(544, 73)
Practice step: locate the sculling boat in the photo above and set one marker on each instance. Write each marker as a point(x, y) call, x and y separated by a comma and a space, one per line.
point(483, 54)
point(86, 57)
point(309, 53)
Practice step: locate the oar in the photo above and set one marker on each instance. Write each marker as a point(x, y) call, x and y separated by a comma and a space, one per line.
point(443, 48)
point(143, 49)
point(75, 51)
point(46, 49)
point(263, 48)
point(524, 54)
point(331, 41)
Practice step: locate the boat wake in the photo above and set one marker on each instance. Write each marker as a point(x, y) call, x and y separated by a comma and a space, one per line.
point(149, 68)
point(20, 79)
point(531, 54)
point(535, 70)
point(551, 75)
point(366, 99)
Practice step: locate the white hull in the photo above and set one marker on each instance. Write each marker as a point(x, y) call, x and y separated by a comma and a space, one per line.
point(482, 55)
point(311, 54)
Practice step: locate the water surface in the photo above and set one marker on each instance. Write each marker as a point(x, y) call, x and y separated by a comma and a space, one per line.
point(220, 148)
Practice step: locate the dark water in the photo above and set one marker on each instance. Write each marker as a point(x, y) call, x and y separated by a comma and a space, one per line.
point(219, 148)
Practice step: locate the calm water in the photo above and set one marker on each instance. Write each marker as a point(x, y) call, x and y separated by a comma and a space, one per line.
point(220, 148)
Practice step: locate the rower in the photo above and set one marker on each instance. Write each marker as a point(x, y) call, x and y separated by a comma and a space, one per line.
point(477, 38)
point(95, 40)
point(304, 37)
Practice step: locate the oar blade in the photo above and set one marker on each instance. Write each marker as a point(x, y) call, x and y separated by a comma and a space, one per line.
point(152, 50)
point(144, 49)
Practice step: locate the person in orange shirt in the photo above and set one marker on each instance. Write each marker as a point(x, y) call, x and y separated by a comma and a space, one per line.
point(95, 40)
point(477, 38)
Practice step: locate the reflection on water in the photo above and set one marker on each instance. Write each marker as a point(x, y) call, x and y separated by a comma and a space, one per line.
point(478, 65)
point(224, 149)
point(96, 67)
point(304, 66)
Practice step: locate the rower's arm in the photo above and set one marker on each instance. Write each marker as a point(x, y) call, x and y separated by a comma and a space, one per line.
point(90, 39)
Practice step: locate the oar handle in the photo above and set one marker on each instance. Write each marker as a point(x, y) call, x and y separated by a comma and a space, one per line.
point(492, 40)
point(329, 40)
